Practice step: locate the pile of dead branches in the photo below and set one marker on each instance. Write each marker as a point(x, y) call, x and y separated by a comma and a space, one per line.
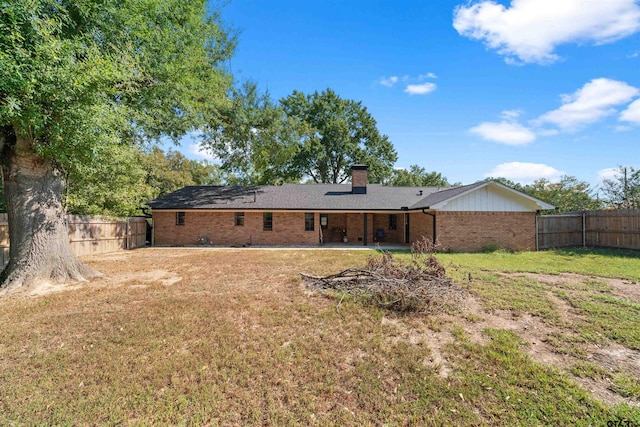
point(419, 285)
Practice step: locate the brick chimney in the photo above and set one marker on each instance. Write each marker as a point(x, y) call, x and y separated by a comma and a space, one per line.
point(359, 178)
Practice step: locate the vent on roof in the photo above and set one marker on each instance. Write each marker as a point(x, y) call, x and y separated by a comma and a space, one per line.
point(420, 193)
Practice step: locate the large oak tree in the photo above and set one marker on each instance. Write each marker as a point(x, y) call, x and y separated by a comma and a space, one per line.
point(334, 134)
point(79, 75)
point(253, 139)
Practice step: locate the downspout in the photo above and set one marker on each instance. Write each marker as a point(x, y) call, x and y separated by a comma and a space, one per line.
point(434, 222)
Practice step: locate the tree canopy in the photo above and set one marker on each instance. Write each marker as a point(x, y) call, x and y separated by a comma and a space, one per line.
point(569, 194)
point(623, 190)
point(253, 138)
point(417, 176)
point(334, 134)
point(82, 73)
point(80, 78)
point(316, 137)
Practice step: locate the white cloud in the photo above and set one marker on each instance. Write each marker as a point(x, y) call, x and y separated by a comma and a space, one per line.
point(421, 89)
point(511, 115)
point(525, 172)
point(608, 173)
point(590, 103)
point(427, 76)
point(530, 30)
point(195, 149)
point(632, 113)
point(504, 132)
point(389, 82)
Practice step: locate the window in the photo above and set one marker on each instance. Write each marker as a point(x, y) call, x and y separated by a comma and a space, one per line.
point(239, 220)
point(308, 222)
point(180, 216)
point(267, 221)
point(393, 222)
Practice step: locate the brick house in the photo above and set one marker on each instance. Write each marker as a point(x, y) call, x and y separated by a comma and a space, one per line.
point(465, 218)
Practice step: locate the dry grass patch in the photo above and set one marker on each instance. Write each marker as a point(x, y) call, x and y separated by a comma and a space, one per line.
point(231, 337)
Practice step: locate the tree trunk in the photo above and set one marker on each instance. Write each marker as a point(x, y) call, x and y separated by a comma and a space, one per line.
point(33, 188)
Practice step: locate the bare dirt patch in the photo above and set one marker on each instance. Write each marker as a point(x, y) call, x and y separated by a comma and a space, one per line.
point(474, 321)
point(536, 333)
point(140, 279)
point(620, 287)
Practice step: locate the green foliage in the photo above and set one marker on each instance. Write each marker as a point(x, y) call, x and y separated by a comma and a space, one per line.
point(113, 186)
point(318, 136)
point(77, 76)
point(623, 191)
point(125, 178)
point(417, 176)
point(254, 139)
point(166, 173)
point(506, 182)
point(567, 195)
point(335, 134)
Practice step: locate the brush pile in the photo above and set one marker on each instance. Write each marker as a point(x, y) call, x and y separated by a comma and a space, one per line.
point(420, 285)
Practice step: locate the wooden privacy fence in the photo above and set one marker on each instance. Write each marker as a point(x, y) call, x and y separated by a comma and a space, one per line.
point(610, 229)
point(91, 234)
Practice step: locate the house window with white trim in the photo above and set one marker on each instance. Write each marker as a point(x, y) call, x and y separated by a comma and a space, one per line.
point(239, 219)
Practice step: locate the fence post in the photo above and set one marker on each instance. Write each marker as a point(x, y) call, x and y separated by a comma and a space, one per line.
point(127, 243)
point(584, 229)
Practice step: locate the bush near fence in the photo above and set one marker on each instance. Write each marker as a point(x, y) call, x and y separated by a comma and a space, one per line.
point(91, 234)
point(618, 228)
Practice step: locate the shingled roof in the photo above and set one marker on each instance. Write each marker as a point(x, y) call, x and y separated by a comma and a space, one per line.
point(321, 197)
point(315, 197)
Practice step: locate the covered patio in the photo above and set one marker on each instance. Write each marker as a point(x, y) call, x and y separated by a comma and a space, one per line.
point(369, 228)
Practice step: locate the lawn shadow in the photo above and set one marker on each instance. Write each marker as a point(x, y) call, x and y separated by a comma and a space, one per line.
point(610, 252)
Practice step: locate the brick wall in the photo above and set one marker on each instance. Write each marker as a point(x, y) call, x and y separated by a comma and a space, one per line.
point(420, 225)
point(220, 229)
point(460, 231)
point(355, 228)
point(359, 177)
point(473, 231)
point(337, 222)
point(381, 221)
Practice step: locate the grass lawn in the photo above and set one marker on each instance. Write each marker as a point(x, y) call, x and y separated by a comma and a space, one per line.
point(232, 337)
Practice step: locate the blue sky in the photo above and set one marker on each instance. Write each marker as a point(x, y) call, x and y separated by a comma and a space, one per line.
point(523, 89)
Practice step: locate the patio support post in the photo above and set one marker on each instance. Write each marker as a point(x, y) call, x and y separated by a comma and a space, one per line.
point(365, 229)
